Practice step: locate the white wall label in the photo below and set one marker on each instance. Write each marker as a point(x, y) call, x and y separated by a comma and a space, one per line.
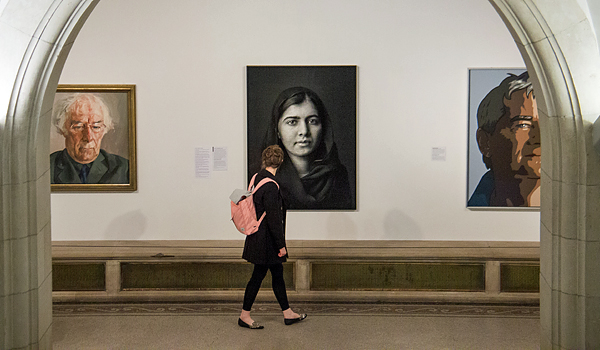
point(438, 153)
point(219, 158)
point(202, 162)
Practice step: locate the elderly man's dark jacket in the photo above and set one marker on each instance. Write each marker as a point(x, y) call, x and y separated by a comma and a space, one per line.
point(263, 246)
point(106, 169)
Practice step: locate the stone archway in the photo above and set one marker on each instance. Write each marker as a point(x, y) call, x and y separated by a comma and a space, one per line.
point(35, 38)
point(556, 42)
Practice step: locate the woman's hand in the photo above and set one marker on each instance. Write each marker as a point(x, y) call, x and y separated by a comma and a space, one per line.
point(282, 252)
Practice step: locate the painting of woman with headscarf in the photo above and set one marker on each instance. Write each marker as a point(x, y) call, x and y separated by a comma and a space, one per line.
point(314, 175)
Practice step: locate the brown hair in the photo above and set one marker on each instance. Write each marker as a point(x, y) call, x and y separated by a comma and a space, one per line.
point(272, 156)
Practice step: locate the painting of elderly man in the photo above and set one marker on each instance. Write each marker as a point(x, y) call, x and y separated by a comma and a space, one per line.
point(91, 141)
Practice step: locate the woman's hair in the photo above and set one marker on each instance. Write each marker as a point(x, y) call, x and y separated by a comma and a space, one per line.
point(272, 156)
point(293, 96)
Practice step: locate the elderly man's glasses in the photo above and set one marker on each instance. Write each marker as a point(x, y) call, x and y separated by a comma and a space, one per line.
point(95, 128)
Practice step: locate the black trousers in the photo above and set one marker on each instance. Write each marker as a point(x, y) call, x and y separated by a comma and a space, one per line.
point(259, 273)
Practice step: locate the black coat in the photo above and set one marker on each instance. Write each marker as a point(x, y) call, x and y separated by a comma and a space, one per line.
point(263, 246)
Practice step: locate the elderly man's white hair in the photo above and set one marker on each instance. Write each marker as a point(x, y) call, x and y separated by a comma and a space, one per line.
point(64, 108)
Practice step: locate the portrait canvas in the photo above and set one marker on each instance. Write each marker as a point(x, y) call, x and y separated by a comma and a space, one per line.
point(504, 148)
point(310, 112)
point(92, 138)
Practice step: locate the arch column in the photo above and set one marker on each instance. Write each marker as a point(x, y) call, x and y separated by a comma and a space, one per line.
point(35, 37)
point(558, 45)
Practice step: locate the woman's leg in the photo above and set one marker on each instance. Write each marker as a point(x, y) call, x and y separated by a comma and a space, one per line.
point(252, 288)
point(279, 285)
point(289, 315)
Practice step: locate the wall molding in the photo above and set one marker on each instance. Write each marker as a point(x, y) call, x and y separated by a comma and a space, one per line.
point(318, 271)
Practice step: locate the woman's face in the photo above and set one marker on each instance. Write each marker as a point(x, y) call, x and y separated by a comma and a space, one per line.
point(300, 129)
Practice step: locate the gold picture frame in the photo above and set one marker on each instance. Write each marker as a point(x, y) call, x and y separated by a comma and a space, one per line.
point(114, 168)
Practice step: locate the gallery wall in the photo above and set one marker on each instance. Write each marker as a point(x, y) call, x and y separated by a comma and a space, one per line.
point(188, 60)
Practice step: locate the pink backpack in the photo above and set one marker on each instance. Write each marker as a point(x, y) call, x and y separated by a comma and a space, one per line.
point(243, 213)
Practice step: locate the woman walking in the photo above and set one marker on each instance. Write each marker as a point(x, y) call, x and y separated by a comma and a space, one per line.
point(266, 248)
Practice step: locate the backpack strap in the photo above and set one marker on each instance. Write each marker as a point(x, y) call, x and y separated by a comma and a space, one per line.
point(262, 182)
point(251, 184)
point(259, 185)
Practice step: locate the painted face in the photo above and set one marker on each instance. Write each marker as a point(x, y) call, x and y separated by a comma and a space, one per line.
point(300, 129)
point(85, 130)
point(515, 148)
